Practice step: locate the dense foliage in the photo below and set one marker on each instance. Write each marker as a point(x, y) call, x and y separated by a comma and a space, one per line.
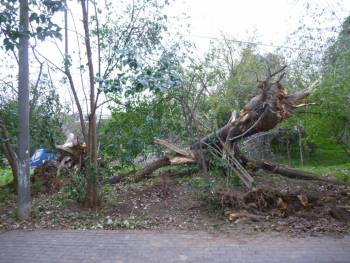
point(328, 121)
point(47, 115)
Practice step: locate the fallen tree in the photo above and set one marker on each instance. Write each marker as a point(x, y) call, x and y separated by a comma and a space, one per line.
point(263, 112)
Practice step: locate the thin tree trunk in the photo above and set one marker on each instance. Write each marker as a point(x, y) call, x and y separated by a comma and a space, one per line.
point(24, 206)
point(69, 75)
point(288, 151)
point(301, 146)
point(342, 140)
point(91, 195)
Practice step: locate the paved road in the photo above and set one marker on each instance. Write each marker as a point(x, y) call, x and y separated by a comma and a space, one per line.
point(138, 246)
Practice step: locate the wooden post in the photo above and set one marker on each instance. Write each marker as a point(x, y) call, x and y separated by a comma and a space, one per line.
point(288, 151)
point(301, 146)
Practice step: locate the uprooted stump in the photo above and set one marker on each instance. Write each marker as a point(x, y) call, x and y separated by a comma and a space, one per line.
point(71, 154)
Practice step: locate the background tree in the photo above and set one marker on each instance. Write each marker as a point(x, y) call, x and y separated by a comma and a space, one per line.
point(327, 122)
point(125, 55)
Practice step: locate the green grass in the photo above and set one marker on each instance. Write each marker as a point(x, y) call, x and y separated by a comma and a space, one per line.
point(324, 155)
point(327, 160)
point(5, 176)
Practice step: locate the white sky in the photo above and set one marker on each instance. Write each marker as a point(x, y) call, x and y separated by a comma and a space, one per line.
point(263, 21)
point(268, 21)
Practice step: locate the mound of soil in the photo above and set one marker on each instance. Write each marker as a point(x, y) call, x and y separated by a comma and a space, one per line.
point(296, 207)
point(279, 204)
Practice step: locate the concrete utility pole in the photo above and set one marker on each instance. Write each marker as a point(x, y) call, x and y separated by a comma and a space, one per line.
point(23, 186)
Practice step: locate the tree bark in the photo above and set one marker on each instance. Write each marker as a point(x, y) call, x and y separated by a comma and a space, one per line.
point(91, 195)
point(263, 112)
point(342, 140)
point(288, 150)
point(151, 167)
point(24, 206)
point(69, 75)
point(301, 146)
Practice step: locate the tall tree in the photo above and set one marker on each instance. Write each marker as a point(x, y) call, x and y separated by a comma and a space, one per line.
point(125, 50)
point(24, 205)
point(16, 35)
point(91, 195)
point(328, 122)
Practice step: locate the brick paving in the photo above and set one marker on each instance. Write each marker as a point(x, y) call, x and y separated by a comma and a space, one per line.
point(139, 246)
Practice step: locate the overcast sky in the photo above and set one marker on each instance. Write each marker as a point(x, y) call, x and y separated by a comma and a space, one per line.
point(265, 21)
point(269, 21)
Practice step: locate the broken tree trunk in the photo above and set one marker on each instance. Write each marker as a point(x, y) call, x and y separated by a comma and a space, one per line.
point(71, 153)
point(263, 112)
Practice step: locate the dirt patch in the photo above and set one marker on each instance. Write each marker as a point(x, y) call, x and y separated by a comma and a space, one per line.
point(279, 204)
point(163, 202)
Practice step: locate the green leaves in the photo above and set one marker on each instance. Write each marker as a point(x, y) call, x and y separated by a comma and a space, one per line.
point(46, 116)
point(328, 121)
point(40, 19)
point(132, 129)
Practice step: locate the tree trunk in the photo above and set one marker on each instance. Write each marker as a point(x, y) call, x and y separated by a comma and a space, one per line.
point(263, 112)
point(23, 187)
point(69, 76)
point(288, 151)
point(301, 146)
point(342, 140)
point(91, 195)
point(151, 167)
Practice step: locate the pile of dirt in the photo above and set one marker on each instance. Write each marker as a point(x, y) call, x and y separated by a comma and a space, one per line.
point(279, 204)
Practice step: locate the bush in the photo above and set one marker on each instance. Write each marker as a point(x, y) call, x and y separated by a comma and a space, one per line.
point(76, 190)
point(6, 176)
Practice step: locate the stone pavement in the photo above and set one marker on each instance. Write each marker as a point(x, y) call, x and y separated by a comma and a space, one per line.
point(146, 246)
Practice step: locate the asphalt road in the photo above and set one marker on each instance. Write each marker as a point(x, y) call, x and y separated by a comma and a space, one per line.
point(150, 246)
